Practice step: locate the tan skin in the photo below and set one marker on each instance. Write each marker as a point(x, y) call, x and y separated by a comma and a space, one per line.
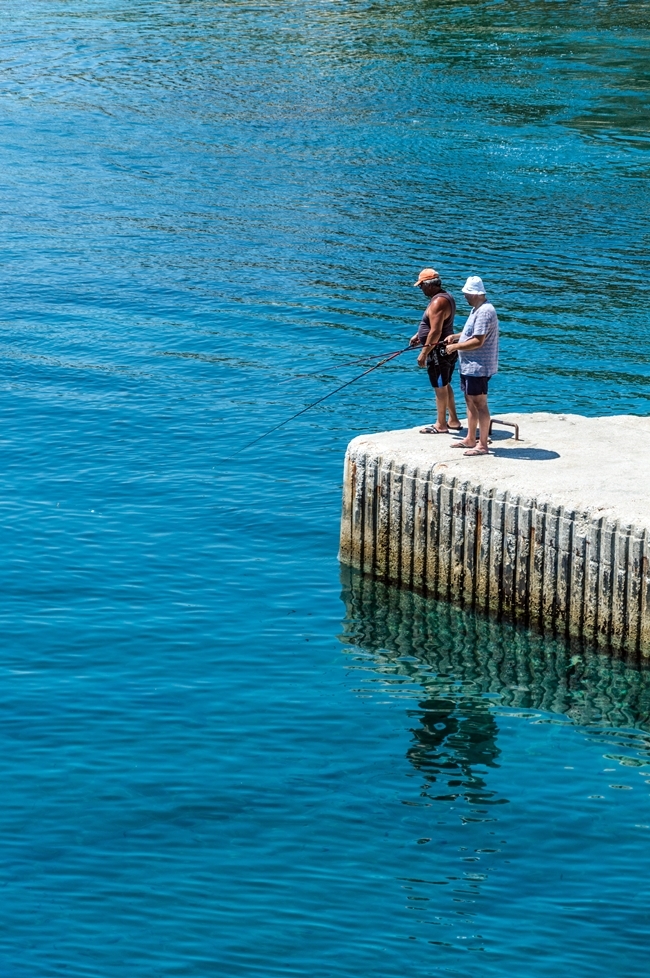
point(437, 311)
point(478, 413)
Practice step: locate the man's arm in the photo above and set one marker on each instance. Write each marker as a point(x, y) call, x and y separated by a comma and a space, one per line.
point(437, 311)
point(481, 327)
point(475, 343)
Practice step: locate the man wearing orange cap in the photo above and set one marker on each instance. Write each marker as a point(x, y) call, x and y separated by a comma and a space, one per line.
point(436, 325)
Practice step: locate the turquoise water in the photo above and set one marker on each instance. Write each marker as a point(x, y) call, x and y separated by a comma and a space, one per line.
point(218, 755)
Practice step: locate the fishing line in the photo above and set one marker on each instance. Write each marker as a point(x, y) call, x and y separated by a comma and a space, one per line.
point(314, 403)
point(376, 356)
point(351, 363)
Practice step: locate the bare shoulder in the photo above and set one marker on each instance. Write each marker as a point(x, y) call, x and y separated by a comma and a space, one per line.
point(439, 303)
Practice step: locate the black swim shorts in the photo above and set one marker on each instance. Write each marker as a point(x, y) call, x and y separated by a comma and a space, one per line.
point(474, 385)
point(440, 367)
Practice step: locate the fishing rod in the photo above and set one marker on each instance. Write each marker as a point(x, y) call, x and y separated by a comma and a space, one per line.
point(314, 403)
point(354, 363)
point(376, 356)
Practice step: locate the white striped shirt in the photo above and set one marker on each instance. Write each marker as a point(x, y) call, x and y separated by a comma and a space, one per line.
point(483, 362)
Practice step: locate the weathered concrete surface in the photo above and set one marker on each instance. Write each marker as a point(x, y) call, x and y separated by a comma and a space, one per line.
point(553, 529)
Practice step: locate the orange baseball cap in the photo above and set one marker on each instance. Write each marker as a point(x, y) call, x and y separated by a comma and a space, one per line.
point(425, 275)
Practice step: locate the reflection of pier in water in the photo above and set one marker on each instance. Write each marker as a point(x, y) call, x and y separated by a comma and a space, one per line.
point(458, 657)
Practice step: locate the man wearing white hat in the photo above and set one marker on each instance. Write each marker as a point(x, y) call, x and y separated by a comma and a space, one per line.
point(478, 350)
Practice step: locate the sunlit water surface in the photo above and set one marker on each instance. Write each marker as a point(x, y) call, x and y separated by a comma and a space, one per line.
point(210, 763)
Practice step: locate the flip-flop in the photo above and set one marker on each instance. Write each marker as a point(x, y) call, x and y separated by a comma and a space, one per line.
point(475, 451)
point(432, 430)
point(459, 444)
point(452, 428)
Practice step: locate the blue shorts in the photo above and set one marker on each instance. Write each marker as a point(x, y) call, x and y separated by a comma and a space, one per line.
point(474, 385)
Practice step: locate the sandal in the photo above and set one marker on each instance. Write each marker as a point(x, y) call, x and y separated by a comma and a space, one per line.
point(432, 430)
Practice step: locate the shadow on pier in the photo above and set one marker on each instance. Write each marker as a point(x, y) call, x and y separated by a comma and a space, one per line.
point(526, 454)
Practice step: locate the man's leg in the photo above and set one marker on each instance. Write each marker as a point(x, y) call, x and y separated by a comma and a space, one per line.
point(469, 441)
point(441, 406)
point(481, 413)
point(472, 422)
point(451, 407)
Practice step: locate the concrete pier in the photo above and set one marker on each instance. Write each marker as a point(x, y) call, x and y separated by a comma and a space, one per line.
point(551, 530)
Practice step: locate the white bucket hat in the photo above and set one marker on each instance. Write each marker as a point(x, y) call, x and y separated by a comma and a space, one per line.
point(474, 286)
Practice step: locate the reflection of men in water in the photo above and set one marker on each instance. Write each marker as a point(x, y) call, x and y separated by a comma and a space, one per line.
point(450, 743)
point(456, 733)
point(437, 324)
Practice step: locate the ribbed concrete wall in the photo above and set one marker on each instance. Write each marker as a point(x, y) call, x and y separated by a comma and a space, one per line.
point(482, 546)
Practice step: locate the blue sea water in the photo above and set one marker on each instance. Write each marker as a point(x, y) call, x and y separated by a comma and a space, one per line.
point(221, 753)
